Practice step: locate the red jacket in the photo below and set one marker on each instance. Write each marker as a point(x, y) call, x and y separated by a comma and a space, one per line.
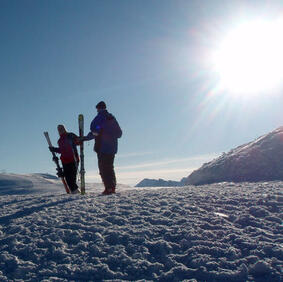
point(67, 148)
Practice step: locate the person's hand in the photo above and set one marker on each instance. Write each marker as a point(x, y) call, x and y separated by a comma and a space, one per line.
point(52, 149)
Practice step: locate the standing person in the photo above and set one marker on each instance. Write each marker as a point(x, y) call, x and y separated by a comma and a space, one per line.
point(69, 156)
point(105, 130)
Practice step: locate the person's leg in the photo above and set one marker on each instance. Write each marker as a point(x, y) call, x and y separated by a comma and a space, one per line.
point(70, 173)
point(106, 169)
point(110, 172)
point(100, 166)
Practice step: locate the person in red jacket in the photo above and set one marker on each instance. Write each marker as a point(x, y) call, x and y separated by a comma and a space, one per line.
point(69, 156)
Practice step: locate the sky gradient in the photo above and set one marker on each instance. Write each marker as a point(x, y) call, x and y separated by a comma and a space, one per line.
point(148, 60)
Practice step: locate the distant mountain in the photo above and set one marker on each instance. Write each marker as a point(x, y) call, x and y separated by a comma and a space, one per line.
point(158, 183)
point(260, 160)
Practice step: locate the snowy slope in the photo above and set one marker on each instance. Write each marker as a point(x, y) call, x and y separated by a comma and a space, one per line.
point(21, 184)
point(220, 232)
point(17, 184)
point(260, 160)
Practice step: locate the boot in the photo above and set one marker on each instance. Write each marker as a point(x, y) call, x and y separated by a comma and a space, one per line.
point(107, 192)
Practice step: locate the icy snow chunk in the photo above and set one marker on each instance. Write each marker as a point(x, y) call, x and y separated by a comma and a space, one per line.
point(258, 212)
point(246, 220)
point(240, 274)
point(274, 219)
point(233, 253)
point(221, 214)
point(178, 273)
point(260, 268)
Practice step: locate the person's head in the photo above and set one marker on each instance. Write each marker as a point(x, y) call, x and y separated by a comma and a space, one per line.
point(61, 129)
point(101, 106)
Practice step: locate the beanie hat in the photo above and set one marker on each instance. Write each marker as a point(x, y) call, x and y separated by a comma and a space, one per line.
point(101, 105)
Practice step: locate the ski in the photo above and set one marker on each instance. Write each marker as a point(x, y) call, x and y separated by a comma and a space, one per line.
point(82, 170)
point(60, 173)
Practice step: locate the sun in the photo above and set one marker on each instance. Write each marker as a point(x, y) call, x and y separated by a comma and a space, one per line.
point(249, 60)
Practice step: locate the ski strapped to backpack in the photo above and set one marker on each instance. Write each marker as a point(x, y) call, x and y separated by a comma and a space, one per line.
point(82, 170)
point(60, 173)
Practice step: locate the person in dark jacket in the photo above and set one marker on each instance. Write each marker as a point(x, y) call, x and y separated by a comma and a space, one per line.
point(69, 156)
point(105, 130)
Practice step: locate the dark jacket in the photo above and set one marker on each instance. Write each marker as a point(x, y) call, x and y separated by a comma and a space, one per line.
point(108, 130)
point(67, 148)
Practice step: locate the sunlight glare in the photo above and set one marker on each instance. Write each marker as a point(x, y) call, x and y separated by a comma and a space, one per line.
point(250, 59)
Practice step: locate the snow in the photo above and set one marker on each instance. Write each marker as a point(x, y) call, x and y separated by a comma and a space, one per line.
point(259, 160)
point(217, 232)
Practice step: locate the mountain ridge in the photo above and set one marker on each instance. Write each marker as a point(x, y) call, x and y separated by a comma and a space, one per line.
point(258, 160)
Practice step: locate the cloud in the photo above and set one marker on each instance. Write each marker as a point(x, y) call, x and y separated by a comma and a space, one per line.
point(132, 155)
point(168, 169)
point(195, 160)
point(133, 177)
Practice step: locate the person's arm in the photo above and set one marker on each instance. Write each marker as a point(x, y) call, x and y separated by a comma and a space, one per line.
point(55, 150)
point(118, 130)
point(95, 128)
point(90, 136)
point(76, 139)
point(96, 124)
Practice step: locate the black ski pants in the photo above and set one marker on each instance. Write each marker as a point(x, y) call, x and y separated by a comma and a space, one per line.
point(70, 174)
point(106, 170)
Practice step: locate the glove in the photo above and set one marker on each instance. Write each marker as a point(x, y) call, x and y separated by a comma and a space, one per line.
point(81, 139)
point(60, 173)
point(52, 149)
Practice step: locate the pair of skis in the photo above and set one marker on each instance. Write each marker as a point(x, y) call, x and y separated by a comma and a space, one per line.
point(82, 157)
point(59, 169)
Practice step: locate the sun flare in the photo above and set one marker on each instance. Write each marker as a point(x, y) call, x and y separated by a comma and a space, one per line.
point(250, 59)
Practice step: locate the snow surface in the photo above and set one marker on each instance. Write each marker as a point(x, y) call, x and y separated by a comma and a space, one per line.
point(218, 232)
point(17, 184)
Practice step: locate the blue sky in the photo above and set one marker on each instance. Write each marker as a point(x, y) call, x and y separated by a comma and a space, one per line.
point(147, 60)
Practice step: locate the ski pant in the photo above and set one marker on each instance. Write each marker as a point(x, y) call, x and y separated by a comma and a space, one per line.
point(70, 174)
point(106, 170)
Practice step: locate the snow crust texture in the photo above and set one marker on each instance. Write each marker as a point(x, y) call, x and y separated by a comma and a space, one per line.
point(219, 232)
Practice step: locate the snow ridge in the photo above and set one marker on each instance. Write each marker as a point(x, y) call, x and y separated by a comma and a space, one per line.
point(220, 232)
point(260, 160)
